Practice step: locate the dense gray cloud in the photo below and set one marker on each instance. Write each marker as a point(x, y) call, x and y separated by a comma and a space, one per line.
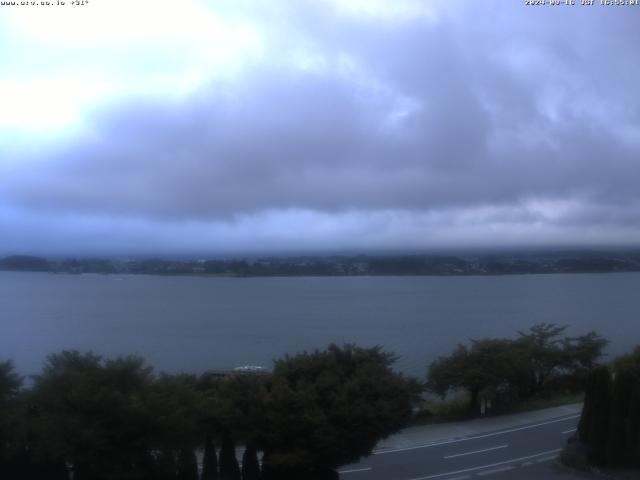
point(488, 123)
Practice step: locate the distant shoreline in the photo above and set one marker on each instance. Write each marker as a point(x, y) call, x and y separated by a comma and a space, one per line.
point(512, 263)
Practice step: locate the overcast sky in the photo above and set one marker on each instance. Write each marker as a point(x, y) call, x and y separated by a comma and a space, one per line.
point(152, 126)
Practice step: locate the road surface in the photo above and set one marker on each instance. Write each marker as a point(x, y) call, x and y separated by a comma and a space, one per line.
point(514, 452)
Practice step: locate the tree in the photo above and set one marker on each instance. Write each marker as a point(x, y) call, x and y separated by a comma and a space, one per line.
point(624, 427)
point(229, 468)
point(490, 368)
point(93, 415)
point(250, 464)
point(542, 346)
point(187, 465)
point(594, 421)
point(209, 460)
point(448, 372)
point(505, 371)
point(610, 421)
point(175, 400)
point(582, 353)
point(10, 382)
point(328, 408)
point(165, 465)
point(10, 447)
point(581, 356)
point(234, 411)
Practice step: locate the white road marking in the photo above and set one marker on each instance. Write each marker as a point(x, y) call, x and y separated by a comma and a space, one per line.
point(546, 459)
point(476, 451)
point(465, 439)
point(355, 470)
point(495, 470)
point(472, 469)
point(569, 431)
point(526, 464)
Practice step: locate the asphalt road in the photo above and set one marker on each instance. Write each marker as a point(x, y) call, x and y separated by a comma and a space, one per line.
point(516, 452)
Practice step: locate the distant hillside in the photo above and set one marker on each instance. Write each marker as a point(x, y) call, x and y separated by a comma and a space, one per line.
point(355, 265)
point(25, 263)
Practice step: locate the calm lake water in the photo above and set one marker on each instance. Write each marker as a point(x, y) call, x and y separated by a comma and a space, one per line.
point(197, 323)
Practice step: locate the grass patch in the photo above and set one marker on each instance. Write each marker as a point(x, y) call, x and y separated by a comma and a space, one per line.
point(440, 411)
point(540, 403)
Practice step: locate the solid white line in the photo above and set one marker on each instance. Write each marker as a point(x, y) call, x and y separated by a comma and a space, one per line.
point(477, 451)
point(486, 466)
point(465, 439)
point(354, 470)
point(495, 470)
point(569, 431)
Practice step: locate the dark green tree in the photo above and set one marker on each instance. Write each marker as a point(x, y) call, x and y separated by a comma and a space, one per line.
point(594, 422)
point(624, 424)
point(165, 465)
point(539, 361)
point(492, 369)
point(176, 400)
point(617, 443)
point(583, 352)
point(11, 448)
point(542, 346)
point(329, 408)
point(447, 373)
point(610, 422)
point(235, 407)
point(93, 415)
point(10, 382)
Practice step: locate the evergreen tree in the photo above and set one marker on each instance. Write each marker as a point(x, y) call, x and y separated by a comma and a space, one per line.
point(633, 448)
point(209, 460)
point(626, 411)
point(619, 434)
point(166, 467)
point(229, 468)
point(610, 422)
point(10, 411)
point(187, 465)
point(250, 464)
point(266, 470)
point(594, 422)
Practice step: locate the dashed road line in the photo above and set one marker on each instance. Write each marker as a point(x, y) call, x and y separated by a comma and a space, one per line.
point(495, 470)
point(473, 469)
point(476, 451)
point(571, 430)
point(546, 459)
